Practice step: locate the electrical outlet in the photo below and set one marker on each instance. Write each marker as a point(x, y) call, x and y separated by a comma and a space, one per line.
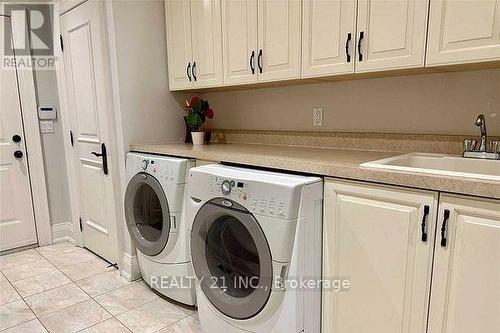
point(317, 116)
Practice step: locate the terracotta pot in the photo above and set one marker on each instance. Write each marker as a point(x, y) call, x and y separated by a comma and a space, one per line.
point(198, 137)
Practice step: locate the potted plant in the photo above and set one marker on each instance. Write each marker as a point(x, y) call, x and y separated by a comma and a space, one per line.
point(197, 112)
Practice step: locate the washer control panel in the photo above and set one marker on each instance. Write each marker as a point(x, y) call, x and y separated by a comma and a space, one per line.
point(250, 194)
point(163, 168)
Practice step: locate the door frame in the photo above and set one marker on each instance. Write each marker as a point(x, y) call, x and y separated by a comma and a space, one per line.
point(32, 138)
point(61, 8)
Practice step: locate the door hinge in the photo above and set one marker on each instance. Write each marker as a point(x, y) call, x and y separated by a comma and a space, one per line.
point(81, 224)
point(71, 138)
point(62, 43)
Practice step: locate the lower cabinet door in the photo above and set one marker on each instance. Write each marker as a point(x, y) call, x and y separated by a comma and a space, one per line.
point(373, 237)
point(465, 293)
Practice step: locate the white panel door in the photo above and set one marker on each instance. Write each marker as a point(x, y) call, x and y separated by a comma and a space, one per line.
point(328, 37)
point(89, 102)
point(179, 51)
point(207, 43)
point(239, 41)
point(463, 31)
point(465, 293)
point(279, 40)
point(372, 235)
point(17, 223)
point(391, 34)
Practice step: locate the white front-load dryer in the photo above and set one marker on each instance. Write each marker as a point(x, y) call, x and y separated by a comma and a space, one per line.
point(154, 204)
point(255, 235)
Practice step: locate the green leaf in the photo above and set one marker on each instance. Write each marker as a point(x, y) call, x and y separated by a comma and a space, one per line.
point(194, 120)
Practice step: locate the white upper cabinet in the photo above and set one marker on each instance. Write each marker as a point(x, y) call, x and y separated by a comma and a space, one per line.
point(194, 43)
point(463, 31)
point(279, 40)
point(391, 34)
point(207, 43)
point(239, 41)
point(374, 236)
point(465, 293)
point(179, 49)
point(328, 37)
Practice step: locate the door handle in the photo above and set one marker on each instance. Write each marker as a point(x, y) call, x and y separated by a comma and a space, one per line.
point(188, 68)
point(104, 156)
point(18, 154)
point(259, 61)
point(252, 64)
point(446, 216)
point(424, 221)
point(16, 138)
point(347, 42)
point(361, 36)
point(194, 70)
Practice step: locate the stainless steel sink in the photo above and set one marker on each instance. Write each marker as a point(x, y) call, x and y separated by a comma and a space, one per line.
point(450, 165)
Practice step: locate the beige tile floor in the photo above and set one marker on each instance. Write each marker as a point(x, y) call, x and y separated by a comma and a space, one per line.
point(63, 288)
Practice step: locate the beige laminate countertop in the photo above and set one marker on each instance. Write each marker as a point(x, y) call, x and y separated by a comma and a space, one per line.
point(340, 163)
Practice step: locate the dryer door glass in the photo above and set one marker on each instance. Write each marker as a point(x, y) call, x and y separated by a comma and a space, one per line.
point(232, 260)
point(147, 214)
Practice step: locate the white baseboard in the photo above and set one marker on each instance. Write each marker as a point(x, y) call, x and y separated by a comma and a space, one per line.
point(130, 267)
point(62, 232)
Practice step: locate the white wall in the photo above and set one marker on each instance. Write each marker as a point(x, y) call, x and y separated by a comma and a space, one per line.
point(441, 103)
point(53, 148)
point(145, 111)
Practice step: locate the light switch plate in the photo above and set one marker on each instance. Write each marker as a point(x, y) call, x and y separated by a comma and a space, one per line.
point(317, 116)
point(46, 126)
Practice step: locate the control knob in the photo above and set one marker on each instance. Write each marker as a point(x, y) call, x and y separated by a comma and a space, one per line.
point(145, 164)
point(225, 187)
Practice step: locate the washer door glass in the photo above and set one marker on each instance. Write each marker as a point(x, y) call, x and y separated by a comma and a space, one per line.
point(232, 260)
point(147, 214)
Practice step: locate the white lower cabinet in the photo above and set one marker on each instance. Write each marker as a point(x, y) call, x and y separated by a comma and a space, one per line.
point(372, 236)
point(465, 295)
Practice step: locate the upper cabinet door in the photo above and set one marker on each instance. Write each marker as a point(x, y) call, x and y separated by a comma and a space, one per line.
point(465, 293)
point(207, 43)
point(328, 37)
point(463, 31)
point(239, 41)
point(391, 34)
point(372, 235)
point(278, 57)
point(177, 15)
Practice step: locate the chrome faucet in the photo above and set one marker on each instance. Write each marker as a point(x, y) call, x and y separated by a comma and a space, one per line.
point(483, 151)
point(481, 122)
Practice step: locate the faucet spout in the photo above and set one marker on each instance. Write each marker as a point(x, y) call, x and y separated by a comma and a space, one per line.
point(481, 122)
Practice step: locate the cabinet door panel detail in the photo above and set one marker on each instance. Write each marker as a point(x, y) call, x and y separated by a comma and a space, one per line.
point(394, 34)
point(326, 26)
point(372, 236)
point(463, 31)
point(239, 28)
point(466, 281)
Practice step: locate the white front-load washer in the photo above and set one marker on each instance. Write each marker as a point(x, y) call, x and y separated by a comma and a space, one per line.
point(154, 204)
point(254, 236)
